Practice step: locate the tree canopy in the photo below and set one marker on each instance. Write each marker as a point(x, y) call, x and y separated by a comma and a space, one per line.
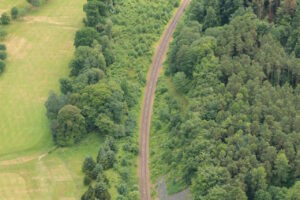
point(239, 134)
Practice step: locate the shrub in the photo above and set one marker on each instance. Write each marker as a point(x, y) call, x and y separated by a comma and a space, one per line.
point(101, 191)
point(2, 66)
point(122, 189)
point(134, 195)
point(5, 19)
point(86, 37)
point(70, 126)
point(34, 2)
point(88, 164)
point(96, 171)
point(121, 197)
point(2, 47)
point(87, 180)
point(65, 85)
point(132, 148)
point(53, 104)
point(14, 12)
point(3, 55)
point(2, 33)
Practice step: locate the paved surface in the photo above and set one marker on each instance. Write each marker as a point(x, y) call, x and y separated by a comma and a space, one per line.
point(163, 193)
point(144, 177)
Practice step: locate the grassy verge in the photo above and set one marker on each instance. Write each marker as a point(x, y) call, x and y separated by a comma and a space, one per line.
point(136, 32)
point(54, 176)
point(160, 135)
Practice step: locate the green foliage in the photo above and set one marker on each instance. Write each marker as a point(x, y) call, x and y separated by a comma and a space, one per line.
point(5, 19)
point(53, 104)
point(14, 12)
point(237, 136)
point(2, 66)
point(2, 34)
point(98, 169)
point(2, 47)
point(108, 104)
point(86, 58)
point(65, 85)
point(86, 37)
point(101, 191)
point(122, 189)
point(89, 194)
point(106, 158)
point(3, 55)
point(209, 177)
point(262, 195)
point(70, 126)
point(87, 180)
point(88, 164)
point(294, 192)
point(282, 169)
point(35, 3)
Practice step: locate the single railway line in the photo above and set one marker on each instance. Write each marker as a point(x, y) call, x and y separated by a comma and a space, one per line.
point(161, 51)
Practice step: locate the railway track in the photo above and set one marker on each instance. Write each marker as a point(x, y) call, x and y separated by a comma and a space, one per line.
point(161, 51)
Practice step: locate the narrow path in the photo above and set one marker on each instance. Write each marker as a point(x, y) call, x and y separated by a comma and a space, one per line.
point(144, 176)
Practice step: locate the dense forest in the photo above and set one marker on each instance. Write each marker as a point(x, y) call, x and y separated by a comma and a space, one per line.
point(232, 130)
point(101, 95)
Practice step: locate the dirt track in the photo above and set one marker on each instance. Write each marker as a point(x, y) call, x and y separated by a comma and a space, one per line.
point(144, 176)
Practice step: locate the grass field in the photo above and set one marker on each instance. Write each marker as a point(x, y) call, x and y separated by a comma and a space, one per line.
point(39, 50)
point(40, 47)
point(7, 4)
point(54, 176)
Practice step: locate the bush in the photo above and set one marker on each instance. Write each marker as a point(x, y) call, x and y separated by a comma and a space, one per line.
point(5, 19)
point(86, 37)
point(3, 55)
point(134, 195)
point(2, 47)
point(132, 148)
point(87, 180)
point(2, 66)
point(88, 164)
point(70, 126)
point(96, 171)
point(121, 197)
point(65, 85)
point(14, 12)
point(122, 189)
point(2, 33)
point(35, 3)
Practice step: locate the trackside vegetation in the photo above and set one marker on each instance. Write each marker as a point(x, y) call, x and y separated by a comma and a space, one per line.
point(227, 115)
point(101, 95)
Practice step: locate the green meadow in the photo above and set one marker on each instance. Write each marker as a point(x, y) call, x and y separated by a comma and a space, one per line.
point(39, 49)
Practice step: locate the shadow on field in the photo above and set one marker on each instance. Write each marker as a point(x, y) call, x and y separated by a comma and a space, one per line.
point(163, 194)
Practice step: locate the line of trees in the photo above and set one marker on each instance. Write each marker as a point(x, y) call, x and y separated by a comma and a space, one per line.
point(89, 101)
point(238, 64)
point(3, 56)
point(107, 74)
point(94, 171)
point(93, 102)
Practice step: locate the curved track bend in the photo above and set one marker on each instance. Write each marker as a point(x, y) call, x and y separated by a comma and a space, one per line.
point(144, 175)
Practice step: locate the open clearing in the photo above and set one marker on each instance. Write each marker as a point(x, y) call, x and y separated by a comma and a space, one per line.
point(55, 176)
point(40, 47)
point(7, 4)
point(39, 50)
